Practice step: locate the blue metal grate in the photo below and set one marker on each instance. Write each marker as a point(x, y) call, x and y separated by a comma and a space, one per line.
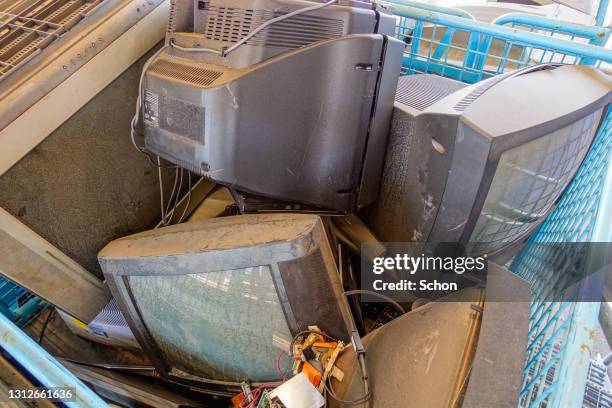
point(557, 358)
point(17, 304)
point(470, 51)
point(440, 41)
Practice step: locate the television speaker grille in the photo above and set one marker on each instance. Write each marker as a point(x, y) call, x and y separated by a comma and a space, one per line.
point(423, 90)
point(198, 76)
point(313, 292)
point(233, 24)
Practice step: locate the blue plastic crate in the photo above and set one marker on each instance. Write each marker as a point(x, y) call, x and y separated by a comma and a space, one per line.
point(19, 305)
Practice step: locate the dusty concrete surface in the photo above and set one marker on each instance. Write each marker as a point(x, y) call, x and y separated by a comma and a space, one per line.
point(86, 185)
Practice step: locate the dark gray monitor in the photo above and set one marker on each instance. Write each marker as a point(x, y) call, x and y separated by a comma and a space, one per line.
point(483, 165)
point(208, 300)
point(298, 114)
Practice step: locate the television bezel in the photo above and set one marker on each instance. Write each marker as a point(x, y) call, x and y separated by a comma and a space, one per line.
point(315, 241)
point(500, 143)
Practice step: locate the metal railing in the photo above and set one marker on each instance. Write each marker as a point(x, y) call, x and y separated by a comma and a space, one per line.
point(470, 51)
point(25, 32)
point(561, 322)
point(559, 29)
point(47, 371)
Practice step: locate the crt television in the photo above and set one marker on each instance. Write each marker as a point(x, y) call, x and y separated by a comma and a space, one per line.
point(483, 165)
point(208, 300)
point(299, 113)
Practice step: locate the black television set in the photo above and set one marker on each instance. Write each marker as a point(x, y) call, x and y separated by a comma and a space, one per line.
point(482, 165)
point(208, 300)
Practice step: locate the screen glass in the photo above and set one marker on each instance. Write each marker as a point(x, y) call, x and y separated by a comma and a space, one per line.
point(216, 325)
point(527, 182)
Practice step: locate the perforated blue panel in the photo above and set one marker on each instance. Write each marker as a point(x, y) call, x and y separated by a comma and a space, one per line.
point(19, 305)
point(556, 364)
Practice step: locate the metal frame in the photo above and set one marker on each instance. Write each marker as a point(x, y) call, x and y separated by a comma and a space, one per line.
point(451, 11)
point(600, 17)
point(19, 305)
point(41, 365)
point(489, 49)
point(32, 262)
point(25, 34)
point(37, 99)
point(595, 35)
point(558, 353)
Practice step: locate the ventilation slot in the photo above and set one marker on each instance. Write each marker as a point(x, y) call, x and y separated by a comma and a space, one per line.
point(467, 100)
point(423, 90)
point(194, 75)
point(111, 316)
point(299, 31)
point(171, 27)
point(232, 25)
point(24, 35)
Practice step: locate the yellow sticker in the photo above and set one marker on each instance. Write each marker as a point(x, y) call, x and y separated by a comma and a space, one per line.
point(79, 323)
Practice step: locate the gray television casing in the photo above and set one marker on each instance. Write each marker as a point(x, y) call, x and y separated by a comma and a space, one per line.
point(293, 115)
point(294, 246)
point(443, 152)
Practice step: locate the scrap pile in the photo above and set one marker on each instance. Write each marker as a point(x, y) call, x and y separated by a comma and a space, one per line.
point(314, 355)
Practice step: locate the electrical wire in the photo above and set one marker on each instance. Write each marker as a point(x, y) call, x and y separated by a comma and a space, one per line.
point(161, 190)
point(303, 332)
point(134, 121)
point(178, 193)
point(328, 387)
point(188, 198)
point(188, 49)
point(170, 209)
point(167, 217)
point(367, 393)
point(256, 393)
point(275, 20)
point(168, 213)
point(226, 52)
point(358, 401)
point(375, 294)
point(278, 366)
point(45, 324)
point(345, 240)
point(149, 157)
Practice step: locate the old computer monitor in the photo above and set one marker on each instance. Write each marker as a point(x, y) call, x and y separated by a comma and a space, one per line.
point(208, 300)
point(298, 114)
point(483, 165)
